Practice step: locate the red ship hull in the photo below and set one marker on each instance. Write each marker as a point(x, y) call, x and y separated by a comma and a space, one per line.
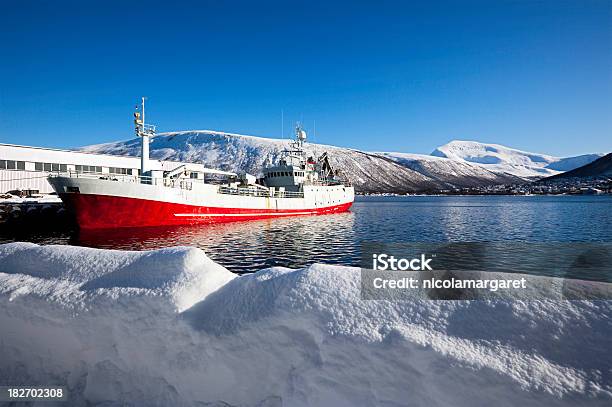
point(104, 211)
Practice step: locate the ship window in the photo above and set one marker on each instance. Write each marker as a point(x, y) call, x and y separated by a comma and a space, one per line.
point(55, 167)
point(63, 167)
point(21, 165)
point(38, 166)
point(78, 168)
point(10, 165)
point(193, 175)
point(98, 169)
point(47, 167)
point(3, 164)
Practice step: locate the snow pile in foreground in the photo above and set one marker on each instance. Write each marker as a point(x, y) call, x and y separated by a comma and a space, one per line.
point(170, 327)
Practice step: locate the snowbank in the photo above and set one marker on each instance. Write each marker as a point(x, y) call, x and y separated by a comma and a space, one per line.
point(170, 327)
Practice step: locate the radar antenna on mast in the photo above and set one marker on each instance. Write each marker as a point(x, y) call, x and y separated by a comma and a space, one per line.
point(144, 131)
point(300, 135)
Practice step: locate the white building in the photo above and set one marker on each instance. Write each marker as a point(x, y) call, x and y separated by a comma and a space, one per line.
point(27, 168)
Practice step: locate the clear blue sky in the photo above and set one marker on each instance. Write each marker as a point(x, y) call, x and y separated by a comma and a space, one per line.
point(379, 75)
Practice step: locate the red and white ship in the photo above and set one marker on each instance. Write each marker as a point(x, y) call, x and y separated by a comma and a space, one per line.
point(296, 185)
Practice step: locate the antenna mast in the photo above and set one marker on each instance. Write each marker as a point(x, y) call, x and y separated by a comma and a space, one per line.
point(144, 131)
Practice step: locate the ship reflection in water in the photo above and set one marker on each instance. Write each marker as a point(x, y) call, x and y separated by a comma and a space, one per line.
point(245, 247)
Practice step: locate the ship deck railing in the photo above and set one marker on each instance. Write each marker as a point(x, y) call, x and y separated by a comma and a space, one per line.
point(330, 182)
point(259, 192)
point(182, 183)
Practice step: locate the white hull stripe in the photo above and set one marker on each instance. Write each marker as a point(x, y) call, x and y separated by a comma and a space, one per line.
point(245, 214)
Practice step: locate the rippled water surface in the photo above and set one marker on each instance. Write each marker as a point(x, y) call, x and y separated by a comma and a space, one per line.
point(293, 242)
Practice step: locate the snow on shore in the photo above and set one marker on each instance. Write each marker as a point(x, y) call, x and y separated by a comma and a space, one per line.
point(171, 327)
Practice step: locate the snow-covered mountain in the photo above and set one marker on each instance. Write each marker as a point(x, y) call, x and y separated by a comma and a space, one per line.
point(505, 160)
point(455, 172)
point(602, 167)
point(369, 172)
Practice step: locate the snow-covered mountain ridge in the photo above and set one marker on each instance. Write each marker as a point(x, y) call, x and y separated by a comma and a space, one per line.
point(503, 159)
point(369, 172)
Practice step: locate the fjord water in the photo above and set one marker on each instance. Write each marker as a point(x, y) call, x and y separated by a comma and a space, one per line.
point(336, 239)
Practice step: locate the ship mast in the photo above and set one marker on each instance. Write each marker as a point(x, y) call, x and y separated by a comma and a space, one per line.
point(144, 131)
